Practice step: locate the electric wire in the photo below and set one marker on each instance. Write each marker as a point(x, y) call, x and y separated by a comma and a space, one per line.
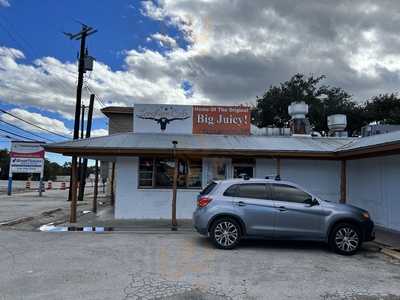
point(31, 133)
point(32, 124)
point(18, 135)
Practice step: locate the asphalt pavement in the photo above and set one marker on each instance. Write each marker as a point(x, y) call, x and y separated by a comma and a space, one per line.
point(83, 265)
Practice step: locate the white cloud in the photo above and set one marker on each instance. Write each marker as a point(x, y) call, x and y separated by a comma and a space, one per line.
point(51, 124)
point(236, 49)
point(163, 40)
point(99, 132)
point(4, 3)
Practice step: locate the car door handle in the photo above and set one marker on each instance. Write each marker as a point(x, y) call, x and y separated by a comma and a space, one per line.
point(282, 208)
point(241, 203)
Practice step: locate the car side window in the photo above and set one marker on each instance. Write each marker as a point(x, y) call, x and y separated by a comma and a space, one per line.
point(287, 193)
point(247, 190)
point(232, 191)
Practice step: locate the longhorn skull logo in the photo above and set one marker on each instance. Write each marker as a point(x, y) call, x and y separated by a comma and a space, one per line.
point(164, 116)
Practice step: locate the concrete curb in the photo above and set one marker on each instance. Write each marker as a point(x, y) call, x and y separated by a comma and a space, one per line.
point(51, 211)
point(16, 221)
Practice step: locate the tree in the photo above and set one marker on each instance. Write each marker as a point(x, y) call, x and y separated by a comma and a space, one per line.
point(383, 109)
point(323, 100)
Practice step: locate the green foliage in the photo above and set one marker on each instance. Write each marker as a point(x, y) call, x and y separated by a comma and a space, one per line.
point(323, 100)
point(383, 109)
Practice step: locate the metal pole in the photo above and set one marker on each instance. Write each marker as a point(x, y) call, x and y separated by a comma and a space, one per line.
point(41, 182)
point(174, 223)
point(9, 187)
point(96, 180)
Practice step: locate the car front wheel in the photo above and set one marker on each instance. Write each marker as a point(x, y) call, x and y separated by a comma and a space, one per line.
point(225, 233)
point(345, 239)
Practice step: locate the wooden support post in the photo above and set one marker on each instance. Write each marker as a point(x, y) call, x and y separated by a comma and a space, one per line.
point(112, 184)
point(96, 185)
point(72, 216)
point(343, 182)
point(174, 223)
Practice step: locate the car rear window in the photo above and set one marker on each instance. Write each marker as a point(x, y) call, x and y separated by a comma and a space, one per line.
point(209, 187)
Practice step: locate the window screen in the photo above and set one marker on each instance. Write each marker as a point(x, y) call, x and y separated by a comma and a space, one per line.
point(287, 193)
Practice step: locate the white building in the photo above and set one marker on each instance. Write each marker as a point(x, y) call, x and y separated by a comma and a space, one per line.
point(359, 171)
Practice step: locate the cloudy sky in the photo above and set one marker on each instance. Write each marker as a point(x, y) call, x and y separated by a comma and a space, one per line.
point(181, 51)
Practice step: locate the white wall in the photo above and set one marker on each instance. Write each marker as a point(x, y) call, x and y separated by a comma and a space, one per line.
point(320, 177)
point(134, 203)
point(373, 184)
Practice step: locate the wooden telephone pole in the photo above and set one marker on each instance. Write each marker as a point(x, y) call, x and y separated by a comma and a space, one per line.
point(82, 35)
point(83, 170)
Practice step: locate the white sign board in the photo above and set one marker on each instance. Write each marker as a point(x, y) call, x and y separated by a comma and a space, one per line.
point(26, 165)
point(26, 157)
point(151, 118)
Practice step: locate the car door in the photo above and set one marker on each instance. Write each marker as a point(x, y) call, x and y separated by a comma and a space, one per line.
point(296, 219)
point(257, 211)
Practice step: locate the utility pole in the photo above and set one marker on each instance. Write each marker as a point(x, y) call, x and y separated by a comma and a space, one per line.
point(82, 182)
point(80, 168)
point(82, 35)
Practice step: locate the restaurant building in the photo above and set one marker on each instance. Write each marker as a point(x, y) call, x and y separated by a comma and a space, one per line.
point(216, 142)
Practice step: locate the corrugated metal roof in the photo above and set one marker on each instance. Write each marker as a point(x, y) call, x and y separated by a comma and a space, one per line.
point(208, 142)
point(371, 141)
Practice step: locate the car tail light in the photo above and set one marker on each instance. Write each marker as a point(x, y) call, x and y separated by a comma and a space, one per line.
point(203, 201)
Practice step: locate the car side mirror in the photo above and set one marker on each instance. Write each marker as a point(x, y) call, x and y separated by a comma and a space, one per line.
point(311, 201)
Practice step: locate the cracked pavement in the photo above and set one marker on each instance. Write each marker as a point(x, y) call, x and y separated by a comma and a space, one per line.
point(118, 265)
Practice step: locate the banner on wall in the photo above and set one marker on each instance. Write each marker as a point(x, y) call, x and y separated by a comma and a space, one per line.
point(154, 118)
point(186, 119)
point(221, 120)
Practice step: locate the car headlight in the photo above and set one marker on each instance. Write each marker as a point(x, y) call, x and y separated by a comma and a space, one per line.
point(365, 215)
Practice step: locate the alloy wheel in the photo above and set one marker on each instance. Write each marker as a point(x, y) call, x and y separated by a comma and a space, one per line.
point(347, 239)
point(226, 233)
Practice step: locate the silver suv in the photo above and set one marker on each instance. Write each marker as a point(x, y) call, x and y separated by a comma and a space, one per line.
point(229, 210)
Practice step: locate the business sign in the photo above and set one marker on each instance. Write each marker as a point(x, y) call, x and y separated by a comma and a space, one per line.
point(186, 119)
point(26, 157)
point(26, 165)
point(221, 120)
point(152, 118)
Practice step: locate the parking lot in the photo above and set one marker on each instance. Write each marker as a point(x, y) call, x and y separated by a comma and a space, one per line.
point(152, 262)
point(72, 265)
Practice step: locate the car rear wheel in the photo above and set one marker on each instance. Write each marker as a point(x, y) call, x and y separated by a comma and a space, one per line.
point(345, 239)
point(225, 233)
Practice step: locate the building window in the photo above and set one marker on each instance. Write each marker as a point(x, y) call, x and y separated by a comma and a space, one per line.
point(159, 173)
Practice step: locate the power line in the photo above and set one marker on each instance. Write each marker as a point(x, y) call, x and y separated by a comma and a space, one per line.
point(32, 124)
point(31, 133)
point(96, 96)
point(16, 134)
